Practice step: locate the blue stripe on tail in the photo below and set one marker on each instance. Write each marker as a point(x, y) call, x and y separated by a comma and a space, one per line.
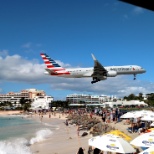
point(52, 61)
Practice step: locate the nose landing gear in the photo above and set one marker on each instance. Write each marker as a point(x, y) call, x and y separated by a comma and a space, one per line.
point(134, 76)
point(95, 80)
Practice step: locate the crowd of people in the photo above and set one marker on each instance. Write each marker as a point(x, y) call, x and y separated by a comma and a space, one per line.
point(112, 115)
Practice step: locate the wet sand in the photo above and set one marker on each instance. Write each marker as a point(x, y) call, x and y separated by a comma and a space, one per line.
point(63, 140)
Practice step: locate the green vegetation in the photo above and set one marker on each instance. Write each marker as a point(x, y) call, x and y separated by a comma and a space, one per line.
point(26, 103)
point(149, 100)
point(133, 97)
point(59, 103)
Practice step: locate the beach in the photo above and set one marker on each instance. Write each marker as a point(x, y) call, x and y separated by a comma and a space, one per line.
point(10, 112)
point(66, 141)
point(63, 139)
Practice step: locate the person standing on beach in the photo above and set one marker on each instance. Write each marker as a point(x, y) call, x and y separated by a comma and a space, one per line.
point(91, 115)
point(41, 116)
point(66, 123)
point(78, 130)
point(49, 115)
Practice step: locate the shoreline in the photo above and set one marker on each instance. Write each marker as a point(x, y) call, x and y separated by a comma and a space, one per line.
point(65, 139)
point(10, 112)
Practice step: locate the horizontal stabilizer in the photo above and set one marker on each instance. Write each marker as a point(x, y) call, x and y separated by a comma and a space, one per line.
point(51, 71)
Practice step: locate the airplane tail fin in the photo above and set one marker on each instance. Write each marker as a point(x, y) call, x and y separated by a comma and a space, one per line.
point(94, 58)
point(50, 63)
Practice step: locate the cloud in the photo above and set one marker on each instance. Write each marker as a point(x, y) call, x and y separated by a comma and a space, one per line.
point(3, 53)
point(62, 64)
point(138, 10)
point(38, 45)
point(125, 16)
point(119, 86)
point(18, 69)
point(135, 11)
point(27, 45)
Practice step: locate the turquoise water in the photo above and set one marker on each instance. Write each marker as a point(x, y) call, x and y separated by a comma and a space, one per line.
point(13, 127)
point(17, 133)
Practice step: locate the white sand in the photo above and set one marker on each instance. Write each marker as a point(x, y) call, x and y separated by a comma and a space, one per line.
point(10, 112)
point(63, 141)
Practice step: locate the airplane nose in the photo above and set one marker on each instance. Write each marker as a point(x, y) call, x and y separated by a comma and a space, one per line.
point(144, 70)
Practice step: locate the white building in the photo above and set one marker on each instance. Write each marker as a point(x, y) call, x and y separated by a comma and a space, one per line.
point(124, 103)
point(87, 99)
point(15, 97)
point(42, 102)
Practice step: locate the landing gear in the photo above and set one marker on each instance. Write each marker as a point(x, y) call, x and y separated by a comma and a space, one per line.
point(95, 80)
point(134, 76)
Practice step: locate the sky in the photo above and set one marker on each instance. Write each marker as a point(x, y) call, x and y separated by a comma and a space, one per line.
point(69, 31)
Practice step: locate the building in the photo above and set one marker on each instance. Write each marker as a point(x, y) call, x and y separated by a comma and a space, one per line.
point(87, 99)
point(34, 92)
point(82, 98)
point(100, 100)
point(41, 102)
point(14, 97)
point(124, 103)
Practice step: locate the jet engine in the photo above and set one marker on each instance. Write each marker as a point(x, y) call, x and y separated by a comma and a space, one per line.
point(111, 73)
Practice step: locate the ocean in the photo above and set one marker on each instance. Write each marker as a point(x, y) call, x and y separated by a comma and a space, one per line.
point(17, 133)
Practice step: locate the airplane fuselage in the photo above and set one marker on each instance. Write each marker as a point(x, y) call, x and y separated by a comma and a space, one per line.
point(87, 72)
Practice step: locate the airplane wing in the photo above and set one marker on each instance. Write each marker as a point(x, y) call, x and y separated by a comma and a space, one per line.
point(51, 71)
point(99, 70)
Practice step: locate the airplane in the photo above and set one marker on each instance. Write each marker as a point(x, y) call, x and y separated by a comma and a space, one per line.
point(97, 73)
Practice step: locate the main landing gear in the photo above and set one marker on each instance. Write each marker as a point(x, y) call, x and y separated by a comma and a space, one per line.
point(134, 76)
point(95, 80)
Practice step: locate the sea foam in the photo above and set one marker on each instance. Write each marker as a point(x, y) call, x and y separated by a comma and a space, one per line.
point(40, 136)
point(18, 146)
point(22, 145)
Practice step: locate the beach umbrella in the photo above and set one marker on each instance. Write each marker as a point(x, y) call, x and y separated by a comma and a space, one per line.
point(136, 114)
point(149, 117)
point(142, 113)
point(151, 129)
point(148, 151)
point(120, 134)
point(152, 124)
point(128, 115)
point(111, 143)
point(144, 140)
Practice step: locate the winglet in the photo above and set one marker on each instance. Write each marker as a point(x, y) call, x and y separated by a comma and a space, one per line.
point(93, 57)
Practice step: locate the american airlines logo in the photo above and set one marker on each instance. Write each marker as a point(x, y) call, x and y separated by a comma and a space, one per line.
point(120, 69)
